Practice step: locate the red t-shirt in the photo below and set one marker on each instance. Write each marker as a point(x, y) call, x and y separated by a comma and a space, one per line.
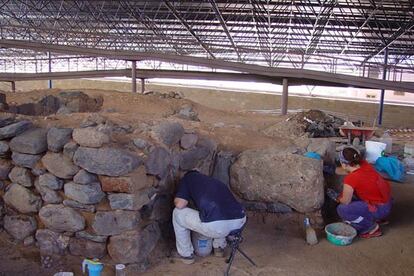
point(368, 184)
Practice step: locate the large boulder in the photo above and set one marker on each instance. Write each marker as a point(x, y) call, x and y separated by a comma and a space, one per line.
point(21, 176)
point(114, 222)
point(188, 140)
point(14, 129)
point(7, 119)
point(222, 164)
point(157, 162)
point(86, 194)
point(169, 133)
point(77, 101)
point(50, 242)
point(50, 181)
point(271, 174)
point(69, 149)
point(22, 199)
point(59, 165)
point(134, 246)
point(88, 236)
point(20, 226)
point(25, 160)
point(33, 141)
point(325, 147)
point(87, 248)
point(90, 137)
point(61, 219)
point(57, 138)
point(106, 161)
point(201, 156)
point(5, 168)
point(131, 183)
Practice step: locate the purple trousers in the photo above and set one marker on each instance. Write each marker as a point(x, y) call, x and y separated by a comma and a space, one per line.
point(360, 217)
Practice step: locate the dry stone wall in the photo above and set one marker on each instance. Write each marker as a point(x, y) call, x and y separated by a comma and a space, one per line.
point(77, 191)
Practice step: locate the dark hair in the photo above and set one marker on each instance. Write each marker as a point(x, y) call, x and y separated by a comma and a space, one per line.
point(352, 156)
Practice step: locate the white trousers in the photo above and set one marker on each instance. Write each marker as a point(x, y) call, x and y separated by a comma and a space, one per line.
point(187, 219)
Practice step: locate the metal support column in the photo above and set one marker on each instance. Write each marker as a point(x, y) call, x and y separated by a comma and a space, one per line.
point(384, 76)
point(285, 92)
point(134, 76)
point(50, 69)
point(13, 86)
point(142, 85)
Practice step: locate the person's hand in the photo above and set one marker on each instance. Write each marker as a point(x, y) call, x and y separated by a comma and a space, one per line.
point(332, 194)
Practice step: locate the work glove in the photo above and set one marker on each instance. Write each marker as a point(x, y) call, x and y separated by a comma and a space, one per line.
point(332, 194)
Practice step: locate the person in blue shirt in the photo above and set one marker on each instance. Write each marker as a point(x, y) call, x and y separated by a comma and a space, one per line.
point(217, 214)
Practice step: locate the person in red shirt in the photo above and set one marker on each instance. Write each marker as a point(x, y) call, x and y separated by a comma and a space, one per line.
point(373, 192)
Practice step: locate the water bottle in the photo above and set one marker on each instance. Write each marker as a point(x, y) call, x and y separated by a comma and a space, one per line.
point(202, 245)
point(94, 267)
point(311, 238)
point(387, 139)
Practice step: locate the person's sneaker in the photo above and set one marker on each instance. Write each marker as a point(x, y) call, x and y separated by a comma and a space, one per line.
point(383, 222)
point(376, 232)
point(186, 260)
point(218, 252)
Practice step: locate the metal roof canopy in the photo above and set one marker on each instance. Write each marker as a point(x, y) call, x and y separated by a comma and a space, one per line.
point(326, 35)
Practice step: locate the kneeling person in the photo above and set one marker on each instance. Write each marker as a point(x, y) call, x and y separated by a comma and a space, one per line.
point(218, 213)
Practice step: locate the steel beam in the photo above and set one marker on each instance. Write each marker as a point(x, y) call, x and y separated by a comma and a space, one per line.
point(263, 71)
point(384, 77)
point(50, 69)
point(13, 86)
point(224, 25)
point(134, 76)
point(142, 85)
point(285, 96)
point(188, 28)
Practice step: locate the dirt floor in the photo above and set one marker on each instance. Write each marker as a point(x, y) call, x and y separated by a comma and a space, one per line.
point(275, 242)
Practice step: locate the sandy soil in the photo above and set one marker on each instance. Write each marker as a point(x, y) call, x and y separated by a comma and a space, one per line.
point(275, 243)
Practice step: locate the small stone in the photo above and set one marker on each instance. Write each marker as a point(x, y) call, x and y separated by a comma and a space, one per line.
point(25, 160)
point(60, 218)
point(20, 226)
point(50, 242)
point(77, 205)
point(169, 132)
point(188, 141)
point(130, 201)
point(22, 199)
point(29, 241)
point(90, 137)
point(87, 248)
point(14, 129)
point(59, 165)
point(114, 222)
point(49, 196)
point(57, 138)
point(5, 168)
point(84, 177)
point(21, 176)
point(69, 149)
point(33, 141)
point(141, 143)
point(86, 194)
point(89, 236)
point(50, 181)
point(4, 149)
point(106, 161)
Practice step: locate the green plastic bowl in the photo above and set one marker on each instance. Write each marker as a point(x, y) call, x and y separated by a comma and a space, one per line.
point(340, 233)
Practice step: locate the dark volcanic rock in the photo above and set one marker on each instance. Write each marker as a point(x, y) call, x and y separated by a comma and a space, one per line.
point(57, 138)
point(14, 129)
point(106, 161)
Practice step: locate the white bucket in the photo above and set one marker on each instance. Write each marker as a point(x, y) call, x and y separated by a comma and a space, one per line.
point(374, 150)
point(202, 244)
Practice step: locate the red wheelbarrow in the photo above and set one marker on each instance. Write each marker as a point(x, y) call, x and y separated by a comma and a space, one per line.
point(352, 131)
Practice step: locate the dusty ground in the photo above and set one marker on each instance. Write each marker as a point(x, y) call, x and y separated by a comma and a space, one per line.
point(276, 243)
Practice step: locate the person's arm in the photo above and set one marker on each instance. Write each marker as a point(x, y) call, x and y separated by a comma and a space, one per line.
point(346, 196)
point(180, 203)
